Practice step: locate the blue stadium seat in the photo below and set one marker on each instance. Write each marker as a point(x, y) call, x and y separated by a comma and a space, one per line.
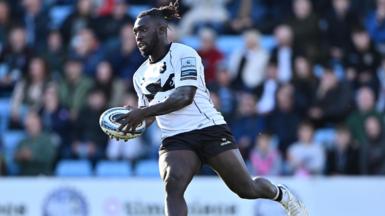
point(192, 41)
point(58, 14)
point(11, 140)
point(4, 114)
point(229, 43)
point(74, 168)
point(113, 168)
point(135, 10)
point(325, 136)
point(147, 168)
point(268, 42)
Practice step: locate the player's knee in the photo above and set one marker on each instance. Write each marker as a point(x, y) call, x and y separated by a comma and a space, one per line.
point(175, 182)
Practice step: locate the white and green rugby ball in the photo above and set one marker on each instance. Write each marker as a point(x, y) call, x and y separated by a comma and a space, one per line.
point(110, 126)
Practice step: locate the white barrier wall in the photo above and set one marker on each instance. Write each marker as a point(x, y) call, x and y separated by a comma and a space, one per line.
point(205, 196)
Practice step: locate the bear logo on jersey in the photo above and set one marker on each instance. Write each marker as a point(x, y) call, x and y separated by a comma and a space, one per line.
point(155, 84)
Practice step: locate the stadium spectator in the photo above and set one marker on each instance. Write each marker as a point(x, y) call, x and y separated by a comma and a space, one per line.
point(108, 26)
point(132, 149)
point(373, 149)
point(125, 56)
point(86, 47)
point(247, 65)
point(266, 91)
point(343, 157)
point(74, 87)
point(56, 120)
point(264, 158)
point(105, 81)
point(306, 31)
point(210, 54)
point(54, 54)
point(321, 7)
point(276, 13)
point(245, 14)
point(28, 92)
point(203, 12)
point(381, 94)
point(2, 166)
point(363, 7)
point(80, 18)
point(305, 157)
point(227, 102)
point(337, 26)
point(247, 125)
point(283, 55)
point(14, 59)
point(304, 83)
point(5, 23)
point(89, 141)
point(365, 103)
point(331, 102)
point(36, 21)
point(35, 154)
point(284, 119)
point(362, 61)
point(375, 23)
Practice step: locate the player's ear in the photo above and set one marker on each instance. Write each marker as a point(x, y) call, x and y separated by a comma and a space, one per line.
point(163, 29)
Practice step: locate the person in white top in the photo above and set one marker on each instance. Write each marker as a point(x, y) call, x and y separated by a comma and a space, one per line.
point(247, 65)
point(154, 82)
point(170, 86)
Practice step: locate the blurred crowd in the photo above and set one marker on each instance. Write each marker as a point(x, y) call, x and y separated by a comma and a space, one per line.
point(312, 105)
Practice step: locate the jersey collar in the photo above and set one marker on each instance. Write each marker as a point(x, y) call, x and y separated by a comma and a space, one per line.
point(160, 59)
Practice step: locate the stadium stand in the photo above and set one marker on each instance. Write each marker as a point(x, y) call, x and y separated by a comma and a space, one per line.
point(297, 66)
point(147, 168)
point(113, 169)
point(74, 168)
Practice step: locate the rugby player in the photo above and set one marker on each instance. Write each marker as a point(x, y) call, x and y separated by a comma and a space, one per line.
point(171, 88)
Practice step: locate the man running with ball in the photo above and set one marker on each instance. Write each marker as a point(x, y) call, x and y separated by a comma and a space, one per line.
point(171, 88)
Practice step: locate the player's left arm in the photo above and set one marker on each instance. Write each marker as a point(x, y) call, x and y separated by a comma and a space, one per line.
point(181, 97)
point(187, 67)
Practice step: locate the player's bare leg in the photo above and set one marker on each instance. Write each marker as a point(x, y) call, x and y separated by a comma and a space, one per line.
point(232, 169)
point(177, 169)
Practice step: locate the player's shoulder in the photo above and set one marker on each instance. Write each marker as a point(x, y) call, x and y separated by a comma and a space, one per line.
point(182, 49)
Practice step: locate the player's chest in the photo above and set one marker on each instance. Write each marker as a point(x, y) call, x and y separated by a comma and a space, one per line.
point(158, 77)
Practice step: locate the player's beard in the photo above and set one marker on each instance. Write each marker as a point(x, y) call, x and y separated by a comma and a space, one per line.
point(151, 46)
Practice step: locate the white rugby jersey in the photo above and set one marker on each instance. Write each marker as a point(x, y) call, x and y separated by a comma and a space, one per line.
point(154, 82)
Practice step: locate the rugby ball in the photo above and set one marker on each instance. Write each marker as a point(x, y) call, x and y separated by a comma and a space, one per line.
point(110, 126)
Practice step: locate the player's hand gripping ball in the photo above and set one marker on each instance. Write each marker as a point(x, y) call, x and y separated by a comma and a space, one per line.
point(109, 124)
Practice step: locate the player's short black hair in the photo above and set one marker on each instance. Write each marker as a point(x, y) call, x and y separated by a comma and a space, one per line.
point(166, 13)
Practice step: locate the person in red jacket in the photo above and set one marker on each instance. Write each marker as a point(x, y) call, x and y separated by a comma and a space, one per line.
point(211, 56)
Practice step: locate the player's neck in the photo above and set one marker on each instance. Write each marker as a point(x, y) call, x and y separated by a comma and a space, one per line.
point(160, 52)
